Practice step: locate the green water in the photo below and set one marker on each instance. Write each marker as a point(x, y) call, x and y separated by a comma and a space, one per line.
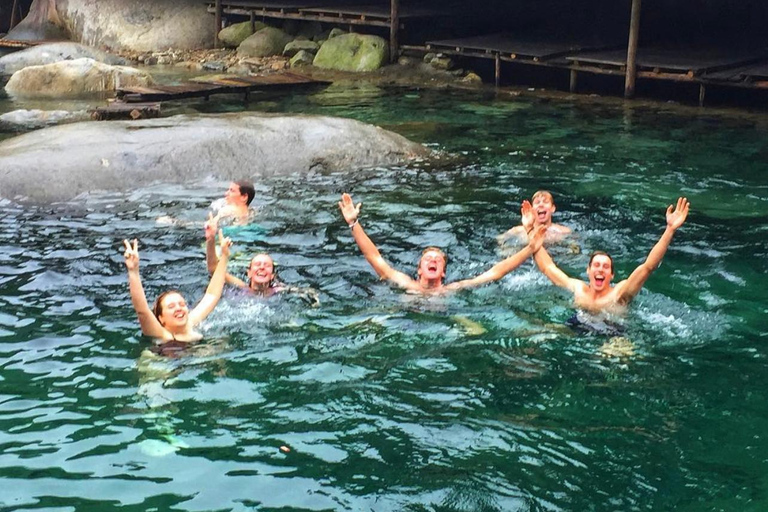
point(390, 403)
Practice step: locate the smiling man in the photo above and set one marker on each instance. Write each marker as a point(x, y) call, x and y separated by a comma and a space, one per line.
point(540, 214)
point(431, 270)
point(598, 294)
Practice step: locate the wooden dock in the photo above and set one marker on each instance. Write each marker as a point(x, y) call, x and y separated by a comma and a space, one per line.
point(218, 84)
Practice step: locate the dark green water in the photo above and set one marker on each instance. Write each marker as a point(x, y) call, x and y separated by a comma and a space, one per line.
point(390, 403)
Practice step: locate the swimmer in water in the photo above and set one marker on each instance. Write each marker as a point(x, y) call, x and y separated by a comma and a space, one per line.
point(236, 209)
point(261, 274)
point(598, 295)
point(538, 214)
point(432, 264)
point(170, 319)
point(238, 199)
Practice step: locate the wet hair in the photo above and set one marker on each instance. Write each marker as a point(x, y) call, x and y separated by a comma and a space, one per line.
point(600, 253)
point(437, 250)
point(157, 308)
point(246, 187)
point(546, 193)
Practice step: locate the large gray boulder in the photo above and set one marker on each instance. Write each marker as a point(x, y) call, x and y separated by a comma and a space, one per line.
point(70, 78)
point(54, 52)
point(141, 25)
point(62, 162)
point(264, 43)
point(353, 52)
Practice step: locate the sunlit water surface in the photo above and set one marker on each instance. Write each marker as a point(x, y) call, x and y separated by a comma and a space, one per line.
point(483, 401)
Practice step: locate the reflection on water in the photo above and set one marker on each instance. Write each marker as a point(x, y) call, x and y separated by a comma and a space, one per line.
point(486, 400)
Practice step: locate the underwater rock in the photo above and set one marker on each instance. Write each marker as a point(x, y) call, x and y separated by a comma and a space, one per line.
point(73, 78)
point(22, 120)
point(264, 43)
point(54, 52)
point(141, 25)
point(75, 159)
point(353, 52)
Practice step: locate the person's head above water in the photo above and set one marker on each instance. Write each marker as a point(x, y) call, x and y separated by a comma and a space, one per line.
point(171, 310)
point(432, 266)
point(240, 193)
point(261, 271)
point(543, 207)
point(600, 270)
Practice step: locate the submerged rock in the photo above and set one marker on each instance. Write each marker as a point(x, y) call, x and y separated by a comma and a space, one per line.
point(352, 52)
point(75, 159)
point(141, 25)
point(22, 120)
point(73, 78)
point(264, 43)
point(54, 52)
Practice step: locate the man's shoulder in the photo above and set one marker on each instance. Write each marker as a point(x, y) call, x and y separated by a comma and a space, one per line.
point(560, 229)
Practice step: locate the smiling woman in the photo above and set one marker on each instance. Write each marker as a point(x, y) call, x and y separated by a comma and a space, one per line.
point(170, 318)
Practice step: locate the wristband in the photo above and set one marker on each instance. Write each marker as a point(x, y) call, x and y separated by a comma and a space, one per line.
point(353, 224)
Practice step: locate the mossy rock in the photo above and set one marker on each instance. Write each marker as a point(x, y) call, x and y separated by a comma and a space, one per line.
point(266, 42)
point(233, 35)
point(298, 45)
point(301, 59)
point(353, 52)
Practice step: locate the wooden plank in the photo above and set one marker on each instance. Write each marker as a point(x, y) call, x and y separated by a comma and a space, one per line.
point(380, 11)
point(394, 30)
point(120, 110)
point(634, 34)
point(526, 46)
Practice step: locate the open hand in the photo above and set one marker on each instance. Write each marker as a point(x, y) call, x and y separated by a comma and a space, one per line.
point(348, 208)
point(225, 243)
point(210, 227)
point(536, 237)
point(131, 255)
point(526, 214)
point(676, 218)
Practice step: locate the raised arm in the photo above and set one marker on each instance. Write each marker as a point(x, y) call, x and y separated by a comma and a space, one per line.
point(350, 211)
point(211, 259)
point(553, 272)
point(507, 265)
point(150, 325)
point(215, 287)
point(525, 227)
point(676, 216)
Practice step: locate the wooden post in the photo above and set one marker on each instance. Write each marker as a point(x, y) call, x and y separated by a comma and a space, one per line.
point(394, 30)
point(253, 22)
point(219, 10)
point(574, 80)
point(702, 93)
point(13, 14)
point(634, 32)
point(498, 69)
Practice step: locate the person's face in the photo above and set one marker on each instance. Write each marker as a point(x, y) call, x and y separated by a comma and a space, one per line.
point(600, 272)
point(543, 208)
point(234, 196)
point(174, 313)
point(262, 270)
point(432, 266)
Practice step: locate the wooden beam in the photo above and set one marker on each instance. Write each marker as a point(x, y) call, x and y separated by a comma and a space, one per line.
point(217, 21)
point(253, 22)
point(498, 69)
point(394, 29)
point(702, 94)
point(634, 33)
point(574, 80)
point(13, 14)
